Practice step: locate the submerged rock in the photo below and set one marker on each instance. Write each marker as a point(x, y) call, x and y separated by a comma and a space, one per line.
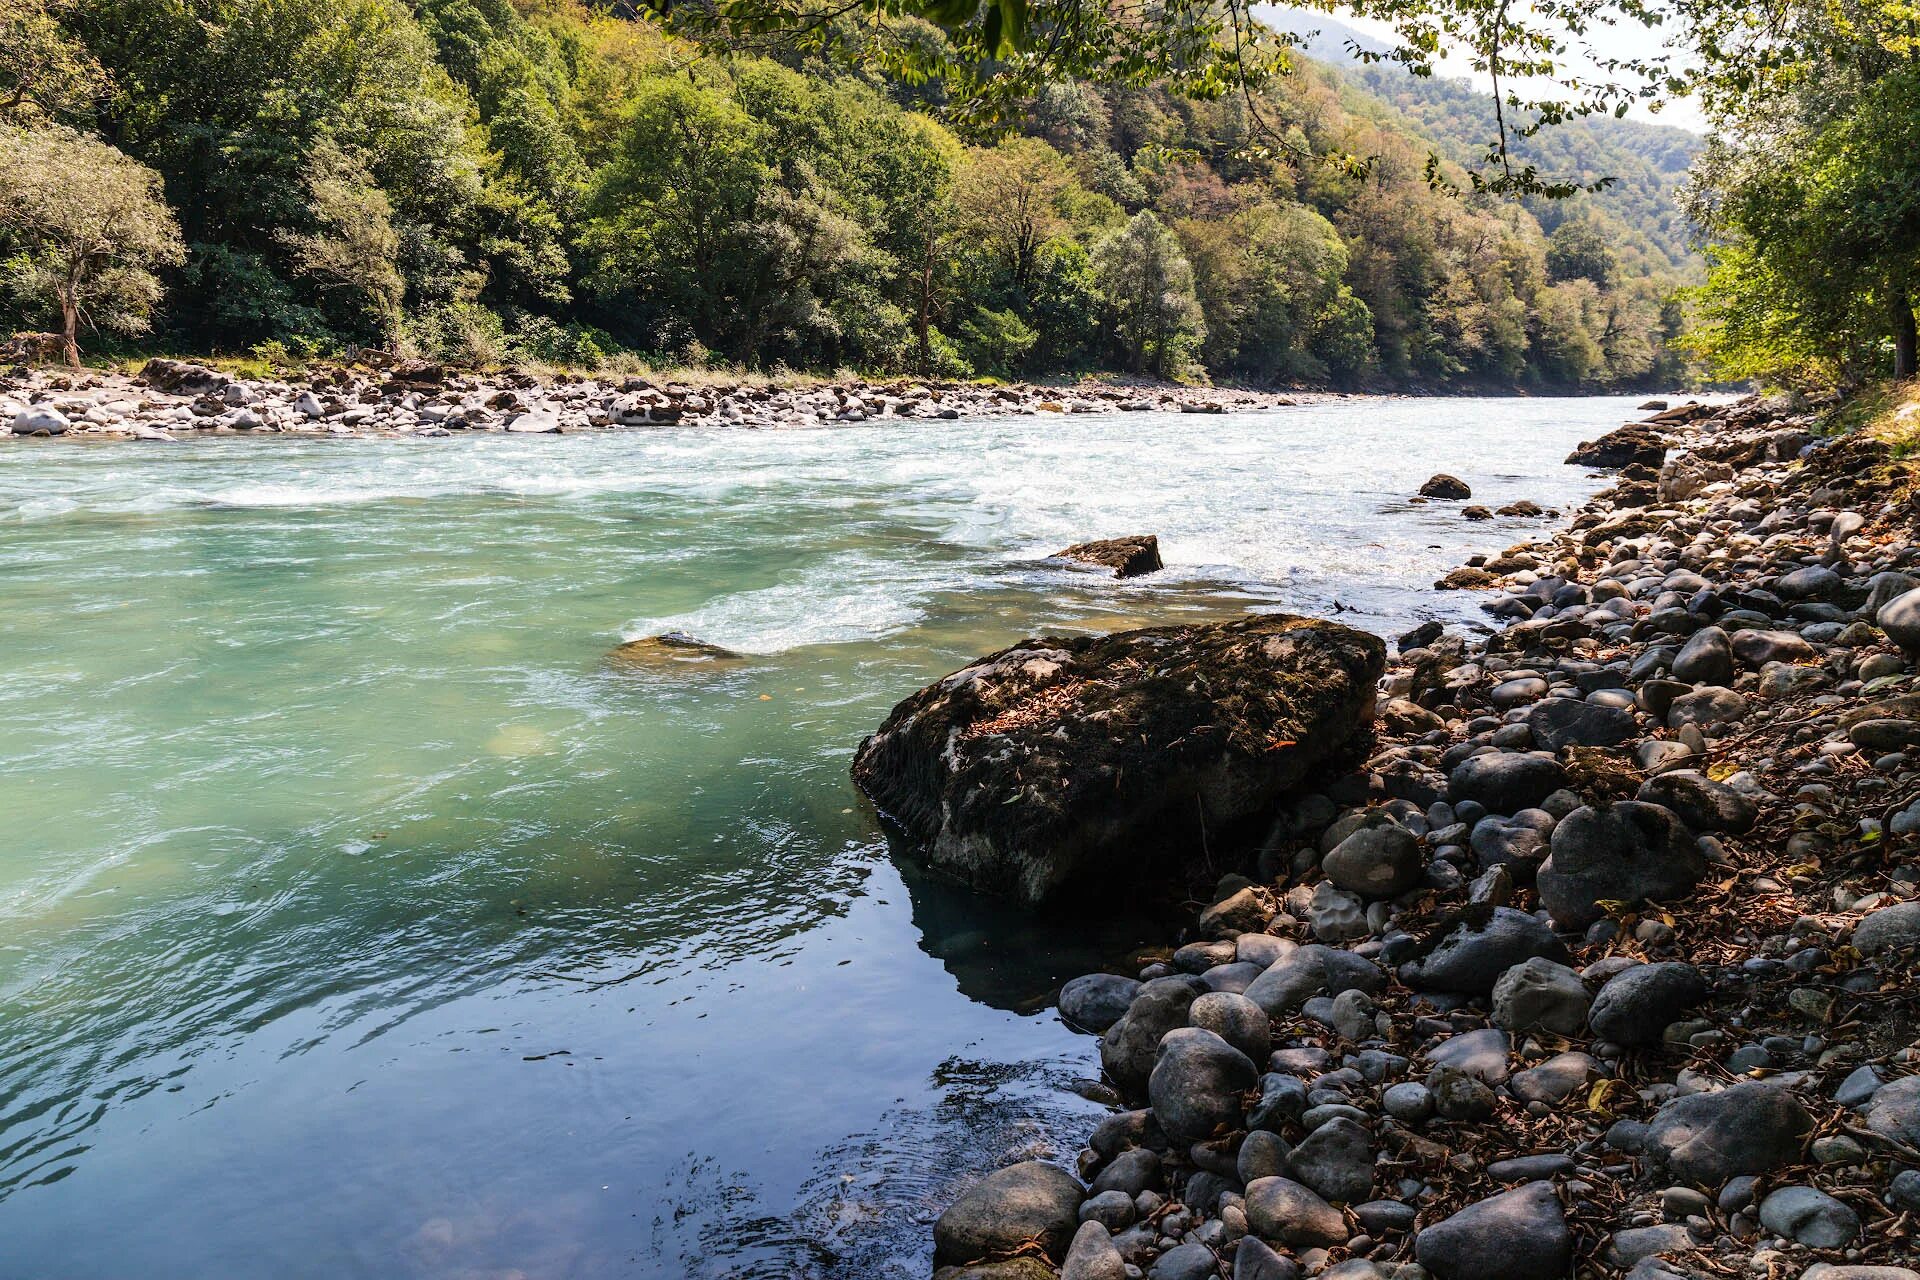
point(670, 649)
point(1128, 557)
point(1063, 763)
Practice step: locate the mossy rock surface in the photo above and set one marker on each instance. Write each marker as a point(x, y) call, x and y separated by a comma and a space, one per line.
point(1088, 763)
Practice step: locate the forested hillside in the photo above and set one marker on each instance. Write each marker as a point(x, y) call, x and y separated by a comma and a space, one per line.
point(491, 180)
point(1646, 163)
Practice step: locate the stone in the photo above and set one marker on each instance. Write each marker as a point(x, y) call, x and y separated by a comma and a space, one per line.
point(1518, 843)
point(1126, 1129)
point(1559, 723)
point(1091, 1256)
point(1196, 1084)
point(1700, 802)
point(1481, 1054)
point(1255, 1260)
point(1242, 911)
point(1635, 444)
point(1336, 916)
point(1263, 1154)
point(1060, 765)
point(1315, 969)
point(1235, 1019)
point(1283, 1099)
point(1559, 1078)
point(1193, 1261)
point(1335, 1161)
point(1284, 1212)
point(40, 419)
point(670, 649)
point(1637, 1004)
point(1539, 994)
point(1861, 1084)
point(1894, 1111)
point(1506, 782)
point(1459, 1096)
point(1471, 956)
point(535, 424)
point(1111, 1209)
point(1095, 1001)
point(1130, 1046)
point(1128, 557)
point(1385, 1217)
point(1756, 647)
point(1809, 1216)
point(1706, 1138)
point(1900, 619)
point(1130, 1173)
point(1534, 1168)
point(1517, 1235)
point(1884, 734)
point(1706, 658)
point(1828, 1271)
point(1380, 860)
point(1814, 582)
point(1683, 476)
point(1409, 1102)
point(1895, 928)
point(1011, 1269)
point(1446, 487)
point(1627, 851)
point(1007, 1208)
point(1707, 708)
point(1631, 1245)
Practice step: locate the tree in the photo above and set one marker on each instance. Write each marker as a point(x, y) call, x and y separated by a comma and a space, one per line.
point(1816, 208)
point(1578, 250)
point(93, 224)
point(45, 74)
point(352, 256)
point(1148, 286)
point(1013, 200)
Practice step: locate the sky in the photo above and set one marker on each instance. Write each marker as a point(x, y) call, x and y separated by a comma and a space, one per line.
point(1628, 40)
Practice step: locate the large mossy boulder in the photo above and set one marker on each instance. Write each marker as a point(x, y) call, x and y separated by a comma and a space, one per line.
point(1087, 762)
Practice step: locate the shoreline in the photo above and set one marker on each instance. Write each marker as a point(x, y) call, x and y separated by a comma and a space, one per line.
point(176, 401)
point(1721, 1084)
point(171, 400)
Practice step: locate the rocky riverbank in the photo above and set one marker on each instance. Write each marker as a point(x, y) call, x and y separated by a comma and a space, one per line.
point(178, 400)
point(1649, 1006)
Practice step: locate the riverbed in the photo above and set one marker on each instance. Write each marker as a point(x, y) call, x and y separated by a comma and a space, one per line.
point(361, 920)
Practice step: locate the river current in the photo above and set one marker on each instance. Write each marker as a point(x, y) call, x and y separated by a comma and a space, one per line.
point(358, 919)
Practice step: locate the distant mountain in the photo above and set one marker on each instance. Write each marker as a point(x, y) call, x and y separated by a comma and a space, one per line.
point(1646, 161)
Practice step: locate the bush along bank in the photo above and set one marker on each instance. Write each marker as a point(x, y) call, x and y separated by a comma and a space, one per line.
point(1603, 964)
point(174, 400)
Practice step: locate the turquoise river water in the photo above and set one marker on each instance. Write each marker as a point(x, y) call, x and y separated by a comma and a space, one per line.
point(357, 919)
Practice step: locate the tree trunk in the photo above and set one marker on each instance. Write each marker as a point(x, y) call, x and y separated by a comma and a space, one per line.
point(926, 304)
point(1906, 343)
point(70, 329)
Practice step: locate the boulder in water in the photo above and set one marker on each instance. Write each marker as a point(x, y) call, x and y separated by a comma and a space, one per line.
point(1446, 486)
point(1128, 557)
point(1622, 447)
point(1083, 762)
point(670, 649)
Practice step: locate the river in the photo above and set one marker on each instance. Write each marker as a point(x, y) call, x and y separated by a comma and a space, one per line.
point(359, 920)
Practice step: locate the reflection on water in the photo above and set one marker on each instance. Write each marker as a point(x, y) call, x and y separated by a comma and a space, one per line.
point(362, 920)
